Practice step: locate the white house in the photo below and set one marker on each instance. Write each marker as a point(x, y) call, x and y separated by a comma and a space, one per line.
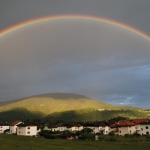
point(123, 127)
point(98, 126)
point(76, 127)
point(92, 126)
point(61, 127)
point(104, 129)
point(13, 126)
point(3, 127)
point(27, 129)
point(51, 128)
point(142, 126)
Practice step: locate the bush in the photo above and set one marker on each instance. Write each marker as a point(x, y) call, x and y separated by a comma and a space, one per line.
point(126, 135)
point(86, 137)
point(111, 134)
point(112, 139)
point(136, 134)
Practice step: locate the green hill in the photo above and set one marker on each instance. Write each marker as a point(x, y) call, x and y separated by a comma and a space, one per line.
point(64, 106)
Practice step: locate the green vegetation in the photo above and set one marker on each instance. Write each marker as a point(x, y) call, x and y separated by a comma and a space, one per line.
point(13, 142)
point(65, 107)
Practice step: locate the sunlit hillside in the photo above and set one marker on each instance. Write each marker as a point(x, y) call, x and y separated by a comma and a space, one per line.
point(65, 106)
point(55, 102)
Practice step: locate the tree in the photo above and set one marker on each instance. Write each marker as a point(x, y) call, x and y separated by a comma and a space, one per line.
point(87, 130)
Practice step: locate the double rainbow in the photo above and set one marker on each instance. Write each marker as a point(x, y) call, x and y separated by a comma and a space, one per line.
point(82, 17)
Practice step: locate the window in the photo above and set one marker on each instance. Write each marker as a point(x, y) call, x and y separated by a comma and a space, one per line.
point(141, 129)
point(28, 132)
point(146, 127)
point(120, 131)
point(28, 128)
point(147, 133)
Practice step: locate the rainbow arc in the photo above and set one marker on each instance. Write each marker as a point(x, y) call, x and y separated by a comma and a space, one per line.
point(82, 17)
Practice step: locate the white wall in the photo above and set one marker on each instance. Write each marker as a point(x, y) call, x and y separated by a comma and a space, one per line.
point(3, 128)
point(62, 128)
point(13, 129)
point(126, 130)
point(27, 131)
point(76, 128)
point(106, 130)
point(144, 129)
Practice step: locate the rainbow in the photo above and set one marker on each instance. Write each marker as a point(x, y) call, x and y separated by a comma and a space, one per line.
point(82, 17)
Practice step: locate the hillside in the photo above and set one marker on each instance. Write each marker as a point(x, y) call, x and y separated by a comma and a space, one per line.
point(55, 102)
point(64, 106)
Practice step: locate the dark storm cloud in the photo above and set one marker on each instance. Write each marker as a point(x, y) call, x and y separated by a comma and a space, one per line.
point(93, 59)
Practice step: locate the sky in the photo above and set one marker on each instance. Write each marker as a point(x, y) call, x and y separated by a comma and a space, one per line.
point(82, 56)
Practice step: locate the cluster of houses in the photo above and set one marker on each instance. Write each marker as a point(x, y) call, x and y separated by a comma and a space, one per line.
point(122, 127)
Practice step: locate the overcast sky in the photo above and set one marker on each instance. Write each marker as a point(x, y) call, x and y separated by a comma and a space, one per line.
point(94, 59)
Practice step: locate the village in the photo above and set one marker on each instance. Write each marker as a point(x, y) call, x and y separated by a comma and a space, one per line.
point(73, 130)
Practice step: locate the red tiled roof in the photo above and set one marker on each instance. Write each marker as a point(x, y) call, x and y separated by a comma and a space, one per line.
point(15, 123)
point(122, 123)
point(137, 121)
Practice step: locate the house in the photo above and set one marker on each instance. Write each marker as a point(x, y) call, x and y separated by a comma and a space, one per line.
point(142, 126)
point(98, 126)
point(61, 127)
point(91, 125)
point(51, 128)
point(145, 128)
point(13, 126)
point(3, 127)
point(123, 127)
point(75, 126)
point(27, 129)
point(103, 127)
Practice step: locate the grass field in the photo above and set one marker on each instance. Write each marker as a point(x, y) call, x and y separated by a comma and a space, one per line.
point(13, 142)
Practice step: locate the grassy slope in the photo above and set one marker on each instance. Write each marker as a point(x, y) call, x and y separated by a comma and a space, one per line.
point(10, 142)
point(58, 106)
point(50, 103)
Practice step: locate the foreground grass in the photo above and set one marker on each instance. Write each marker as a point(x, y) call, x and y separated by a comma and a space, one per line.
point(13, 142)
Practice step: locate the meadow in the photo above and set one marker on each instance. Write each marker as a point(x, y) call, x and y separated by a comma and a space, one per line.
point(13, 142)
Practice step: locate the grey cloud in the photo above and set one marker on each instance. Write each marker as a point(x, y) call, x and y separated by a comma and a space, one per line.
point(132, 12)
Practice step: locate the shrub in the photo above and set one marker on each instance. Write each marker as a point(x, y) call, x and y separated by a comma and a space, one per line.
point(111, 134)
point(126, 135)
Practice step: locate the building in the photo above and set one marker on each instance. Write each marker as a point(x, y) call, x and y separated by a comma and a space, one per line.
point(13, 126)
point(3, 127)
point(27, 129)
point(98, 126)
point(142, 126)
point(123, 127)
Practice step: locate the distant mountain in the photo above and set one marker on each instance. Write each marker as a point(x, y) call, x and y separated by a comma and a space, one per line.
point(64, 106)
